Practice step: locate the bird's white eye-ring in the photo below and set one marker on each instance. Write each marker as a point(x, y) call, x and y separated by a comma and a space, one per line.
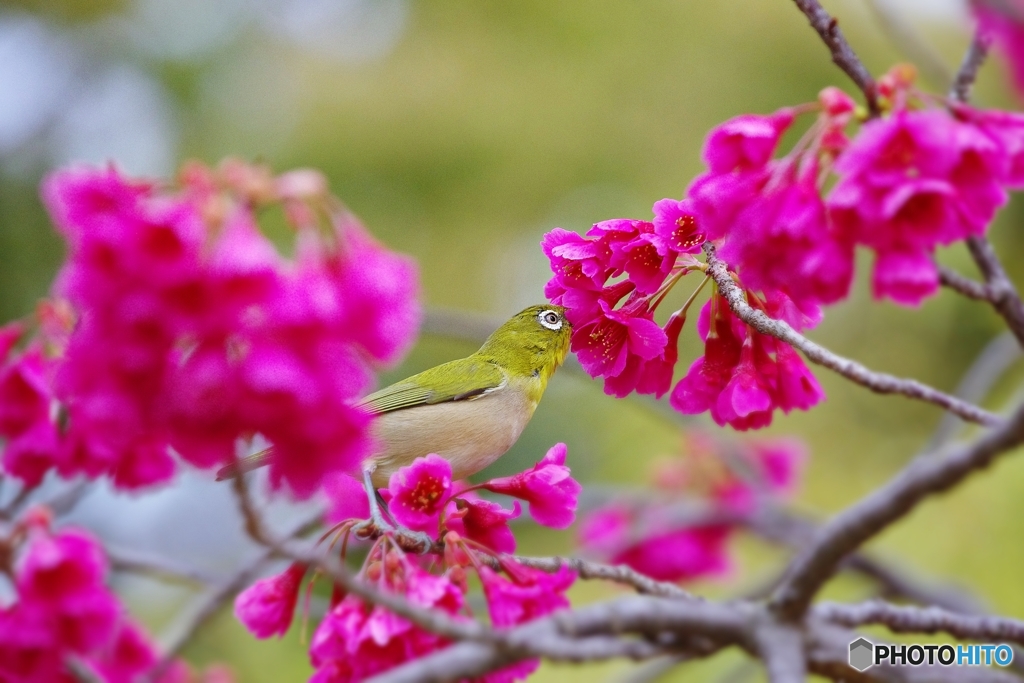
point(550, 319)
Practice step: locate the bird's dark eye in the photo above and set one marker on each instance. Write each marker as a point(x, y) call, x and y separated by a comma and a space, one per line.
point(551, 320)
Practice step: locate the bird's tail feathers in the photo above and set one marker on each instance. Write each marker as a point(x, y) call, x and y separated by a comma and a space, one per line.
point(246, 464)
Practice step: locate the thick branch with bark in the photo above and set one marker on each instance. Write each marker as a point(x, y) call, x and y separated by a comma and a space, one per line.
point(908, 619)
point(925, 476)
point(879, 382)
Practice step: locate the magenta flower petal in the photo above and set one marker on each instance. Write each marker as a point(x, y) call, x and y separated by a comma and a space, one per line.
point(266, 608)
point(485, 522)
point(681, 555)
point(746, 142)
point(527, 595)
point(419, 493)
point(548, 487)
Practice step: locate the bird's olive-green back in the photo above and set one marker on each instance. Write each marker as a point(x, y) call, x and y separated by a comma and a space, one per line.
point(522, 350)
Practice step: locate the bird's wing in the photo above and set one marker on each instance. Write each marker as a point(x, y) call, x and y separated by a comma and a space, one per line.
point(458, 380)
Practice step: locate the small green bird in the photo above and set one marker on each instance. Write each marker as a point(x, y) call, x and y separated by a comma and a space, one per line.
point(469, 411)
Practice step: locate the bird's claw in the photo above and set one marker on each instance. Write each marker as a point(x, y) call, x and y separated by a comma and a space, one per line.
point(416, 541)
point(369, 528)
point(413, 541)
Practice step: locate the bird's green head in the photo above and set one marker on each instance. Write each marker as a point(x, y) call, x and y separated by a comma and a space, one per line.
point(535, 341)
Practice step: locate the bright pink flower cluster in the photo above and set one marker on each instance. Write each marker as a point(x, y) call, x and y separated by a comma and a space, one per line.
point(423, 497)
point(1002, 21)
point(926, 174)
point(744, 376)
point(614, 332)
point(357, 640)
point(921, 178)
point(187, 329)
point(768, 214)
point(671, 538)
point(63, 610)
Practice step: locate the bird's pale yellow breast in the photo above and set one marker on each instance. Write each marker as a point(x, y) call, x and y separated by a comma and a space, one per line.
point(469, 434)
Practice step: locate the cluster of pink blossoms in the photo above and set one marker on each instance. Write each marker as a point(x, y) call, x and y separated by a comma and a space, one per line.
point(177, 324)
point(1002, 21)
point(63, 615)
point(672, 539)
point(927, 174)
point(357, 640)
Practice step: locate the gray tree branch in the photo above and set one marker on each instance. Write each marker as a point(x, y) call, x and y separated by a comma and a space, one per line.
point(878, 382)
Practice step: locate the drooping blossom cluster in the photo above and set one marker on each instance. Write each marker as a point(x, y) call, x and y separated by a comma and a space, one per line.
point(177, 323)
point(64, 615)
point(919, 178)
point(423, 497)
point(928, 173)
point(357, 640)
point(1002, 22)
point(683, 532)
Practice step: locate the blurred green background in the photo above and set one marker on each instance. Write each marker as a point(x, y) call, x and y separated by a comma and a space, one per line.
point(460, 132)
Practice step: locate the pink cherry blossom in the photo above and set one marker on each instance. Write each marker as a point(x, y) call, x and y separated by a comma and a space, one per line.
point(911, 182)
point(25, 393)
point(62, 609)
point(485, 522)
point(59, 569)
point(266, 607)
point(606, 530)
point(606, 344)
point(768, 468)
point(419, 493)
point(782, 242)
point(356, 641)
point(549, 489)
point(1002, 23)
point(680, 555)
point(129, 657)
point(652, 376)
point(191, 332)
point(644, 538)
point(526, 594)
point(346, 499)
point(743, 375)
point(745, 142)
point(677, 226)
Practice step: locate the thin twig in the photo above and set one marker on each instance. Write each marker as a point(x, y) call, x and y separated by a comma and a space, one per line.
point(851, 528)
point(878, 382)
point(972, 289)
point(213, 599)
point(988, 367)
point(617, 573)
point(842, 54)
point(124, 560)
point(1004, 296)
point(968, 72)
point(797, 531)
point(1002, 292)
